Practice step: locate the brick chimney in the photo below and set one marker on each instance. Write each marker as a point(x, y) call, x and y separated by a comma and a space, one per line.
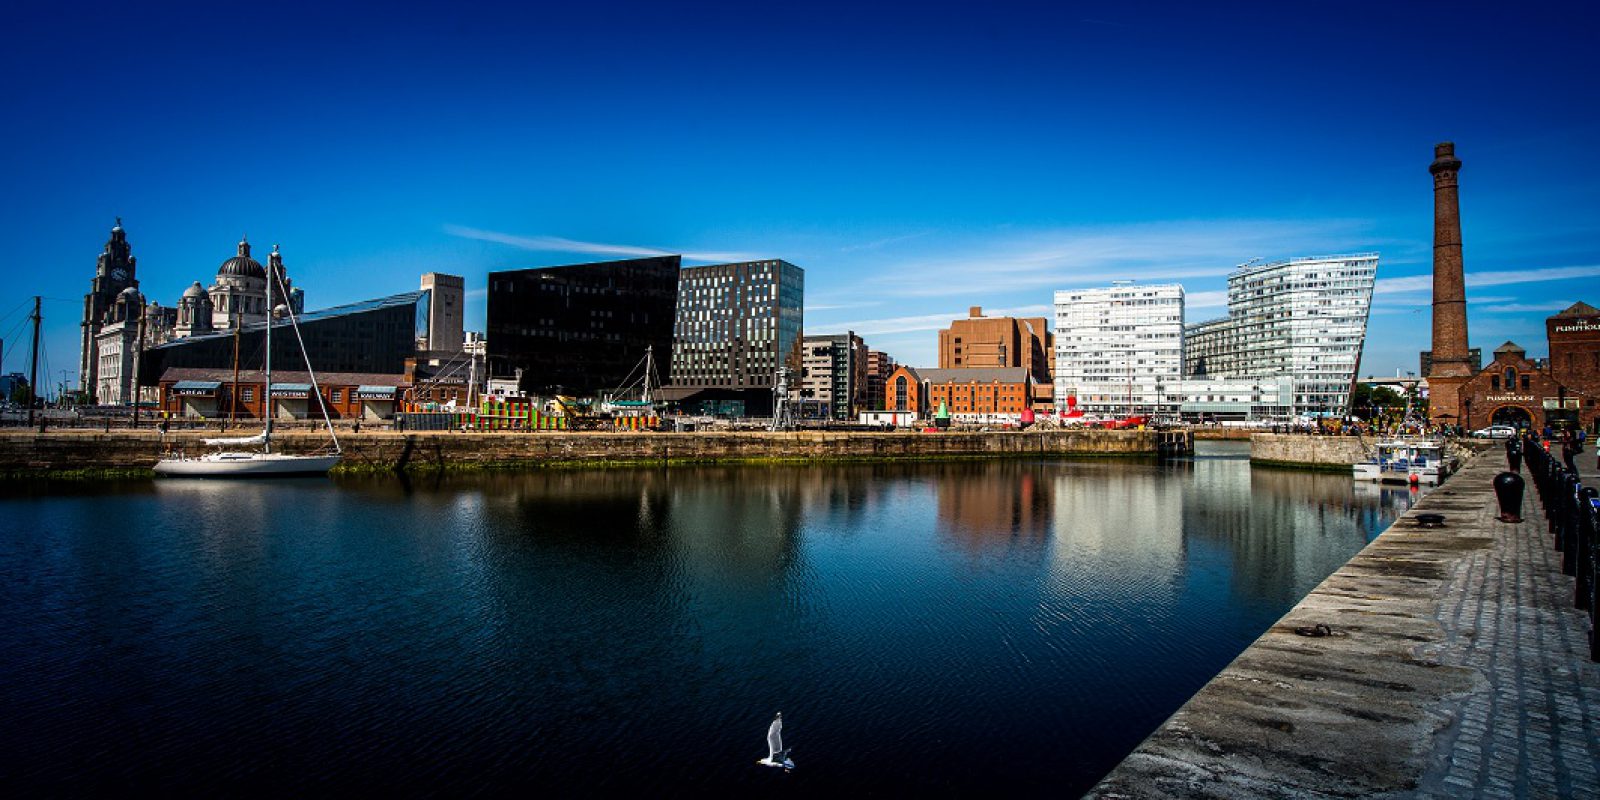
point(1451, 360)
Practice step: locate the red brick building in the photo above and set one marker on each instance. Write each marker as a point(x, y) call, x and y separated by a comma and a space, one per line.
point(1513, 390)
point(1574, 337)
point(969, 392)
point(980, 341)
point(198, 393)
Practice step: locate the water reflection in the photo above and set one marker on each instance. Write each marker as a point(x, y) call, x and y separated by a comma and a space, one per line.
point(1018, 625)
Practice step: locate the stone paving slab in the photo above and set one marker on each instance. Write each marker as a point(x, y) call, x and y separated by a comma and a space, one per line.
point(1456, 667)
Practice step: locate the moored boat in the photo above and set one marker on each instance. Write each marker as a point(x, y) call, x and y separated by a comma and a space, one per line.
point(263, 462)
point(1412, 461)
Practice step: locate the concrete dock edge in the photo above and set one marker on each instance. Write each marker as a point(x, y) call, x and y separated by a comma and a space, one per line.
point(1456, 666)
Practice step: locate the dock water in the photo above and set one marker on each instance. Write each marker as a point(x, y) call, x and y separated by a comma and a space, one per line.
point(1456, 666)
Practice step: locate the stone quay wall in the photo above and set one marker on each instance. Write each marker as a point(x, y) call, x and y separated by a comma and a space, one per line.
point(55, 452)
point(1304, 451)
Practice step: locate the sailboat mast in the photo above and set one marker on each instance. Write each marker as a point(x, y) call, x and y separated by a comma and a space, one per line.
point(649, 365)
point(233, 404)
point(267, 395)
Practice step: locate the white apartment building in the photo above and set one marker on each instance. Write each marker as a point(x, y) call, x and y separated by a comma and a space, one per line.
point(1304, 319)
point(1119, 349)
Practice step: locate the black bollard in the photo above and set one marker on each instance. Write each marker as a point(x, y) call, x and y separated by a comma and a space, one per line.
point(1514, 454)
point(1583, 594)
point(1508, 491)
point(1570, 489)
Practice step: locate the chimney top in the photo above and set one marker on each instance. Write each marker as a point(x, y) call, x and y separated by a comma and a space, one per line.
point(975, 311)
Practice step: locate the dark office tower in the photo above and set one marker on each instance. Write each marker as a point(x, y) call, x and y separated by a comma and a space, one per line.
point(113, 272)
point(581, 329)
point(736, 325)
point(1450, 366)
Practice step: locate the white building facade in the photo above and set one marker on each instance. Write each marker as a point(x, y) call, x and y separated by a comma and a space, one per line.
point(1119, 349)
point(1304, 320)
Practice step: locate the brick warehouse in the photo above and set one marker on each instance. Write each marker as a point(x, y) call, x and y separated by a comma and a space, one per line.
point(968, 392)
point(1513, 390)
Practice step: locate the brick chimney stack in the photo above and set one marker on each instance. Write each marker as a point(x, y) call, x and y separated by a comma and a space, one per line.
point(975, 311)
point(1451, 362)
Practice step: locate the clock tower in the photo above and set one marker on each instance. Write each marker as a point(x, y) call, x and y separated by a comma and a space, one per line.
point(113, 272)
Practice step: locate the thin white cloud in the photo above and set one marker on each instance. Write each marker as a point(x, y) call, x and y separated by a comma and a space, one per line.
point(1424, 283)
point(1010, 260)
point(874, 245)
point(1519, 308)
point(842, 306)
point(931, 322)
point(1213, 299)
point(556, 244)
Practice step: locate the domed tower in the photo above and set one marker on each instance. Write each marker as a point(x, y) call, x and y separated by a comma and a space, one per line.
point(240, 294)
point(128, 307)
point(194, 312)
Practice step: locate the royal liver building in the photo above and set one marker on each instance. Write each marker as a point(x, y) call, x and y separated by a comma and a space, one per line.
point(1291, 343)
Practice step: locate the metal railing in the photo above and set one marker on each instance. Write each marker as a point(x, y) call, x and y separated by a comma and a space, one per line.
point(1572, 513)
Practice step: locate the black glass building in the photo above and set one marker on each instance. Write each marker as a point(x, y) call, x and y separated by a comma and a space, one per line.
point(581, 329)
point(373, 336)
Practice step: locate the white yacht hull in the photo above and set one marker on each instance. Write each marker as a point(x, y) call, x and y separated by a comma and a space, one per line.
point(245, 465)
point(1427, 476)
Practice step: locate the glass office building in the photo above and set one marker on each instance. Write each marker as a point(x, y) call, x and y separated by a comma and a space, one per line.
point(1304, 319)
point(581, 329)
point(372, 336)
point(737, 324)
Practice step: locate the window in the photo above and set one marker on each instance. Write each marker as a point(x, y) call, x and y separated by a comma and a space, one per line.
point(337, 395)
point(247, 394)
point(1511, 378)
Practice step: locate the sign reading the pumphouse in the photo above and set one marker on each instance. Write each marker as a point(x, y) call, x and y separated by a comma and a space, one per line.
point(1580, 326)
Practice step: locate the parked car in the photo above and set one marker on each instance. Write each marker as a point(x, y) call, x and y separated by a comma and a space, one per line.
point(1495, 432)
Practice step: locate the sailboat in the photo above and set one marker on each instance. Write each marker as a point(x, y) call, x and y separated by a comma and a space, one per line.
point(263, 462)
point(643, 407)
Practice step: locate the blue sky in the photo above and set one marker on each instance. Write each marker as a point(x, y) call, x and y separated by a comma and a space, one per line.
point(914, 159)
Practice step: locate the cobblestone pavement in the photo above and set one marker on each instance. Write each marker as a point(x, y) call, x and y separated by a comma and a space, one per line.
point(1456, 667)
point(1534, 730)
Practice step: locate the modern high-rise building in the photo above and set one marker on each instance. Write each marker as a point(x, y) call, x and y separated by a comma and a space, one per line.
point(880, 366)
point(1119, 349)
point(1304, 319)
point(834, 372)
point(580, 329)
point(736, 326)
